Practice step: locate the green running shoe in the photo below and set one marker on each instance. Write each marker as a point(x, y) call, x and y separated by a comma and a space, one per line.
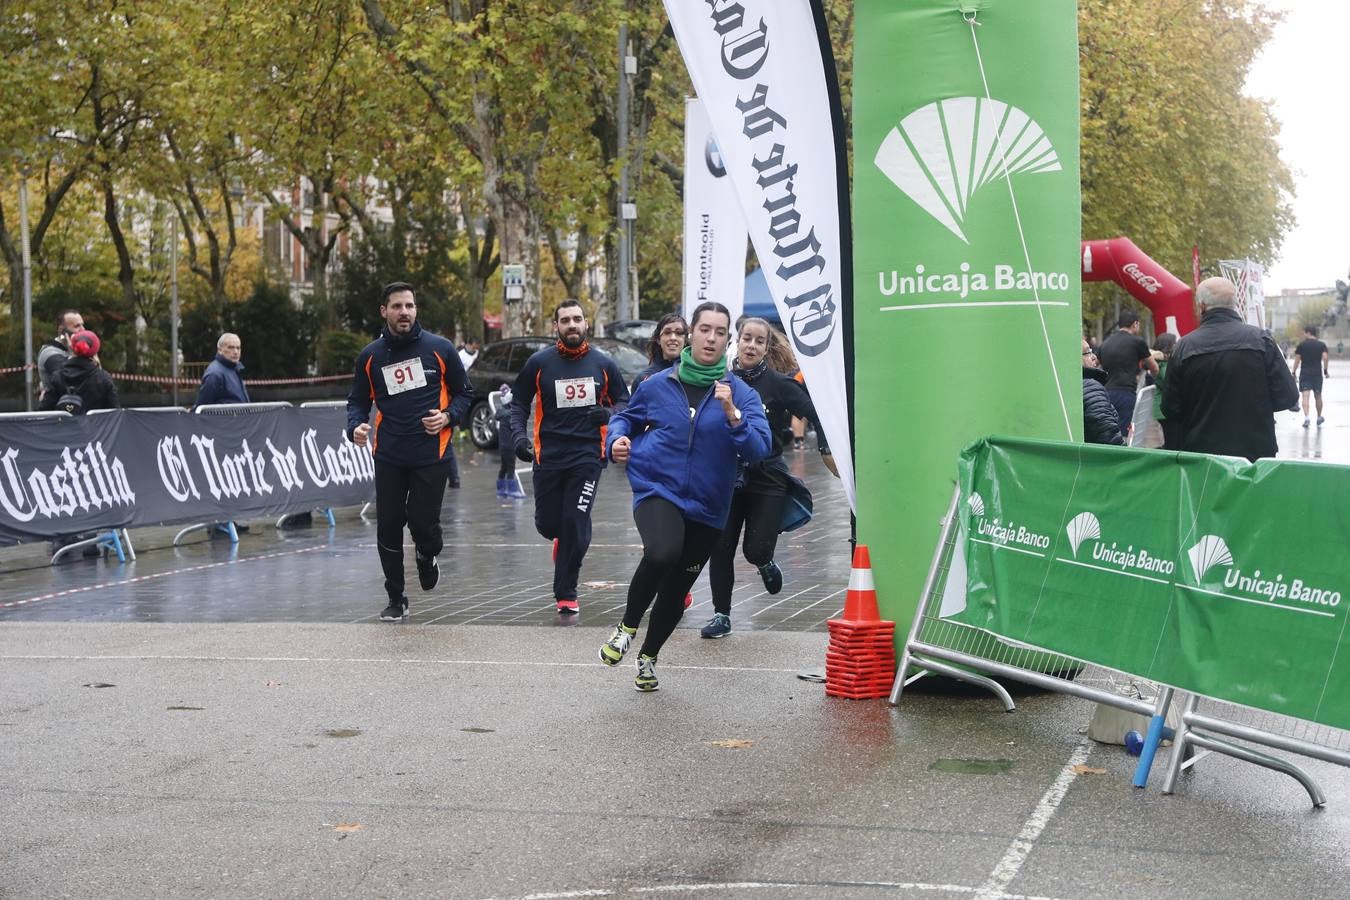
point(612, 650)
point(646, 676)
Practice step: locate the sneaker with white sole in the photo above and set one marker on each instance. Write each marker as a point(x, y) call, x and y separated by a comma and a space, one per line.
point(613, 650)
point(396, 611)
point(646, 674)
point(719, 626)
point(568, 607)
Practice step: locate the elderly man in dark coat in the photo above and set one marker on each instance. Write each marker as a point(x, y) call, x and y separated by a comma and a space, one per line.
point(223, 380)
point(1226, 380)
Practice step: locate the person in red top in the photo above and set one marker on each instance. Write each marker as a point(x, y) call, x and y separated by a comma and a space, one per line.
point(416, 383)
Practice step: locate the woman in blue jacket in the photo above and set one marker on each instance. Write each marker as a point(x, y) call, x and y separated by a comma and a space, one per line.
point(681, 436)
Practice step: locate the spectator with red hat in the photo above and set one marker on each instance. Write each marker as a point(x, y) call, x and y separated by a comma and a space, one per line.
point(81, 384)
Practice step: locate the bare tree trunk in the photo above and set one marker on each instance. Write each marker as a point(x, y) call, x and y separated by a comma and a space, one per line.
point(126, 271)
point(482, 263)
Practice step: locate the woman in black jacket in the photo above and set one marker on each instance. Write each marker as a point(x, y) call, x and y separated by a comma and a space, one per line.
point(663, 348)
point(1100, 423)
point(761, 488)
point(80, 376)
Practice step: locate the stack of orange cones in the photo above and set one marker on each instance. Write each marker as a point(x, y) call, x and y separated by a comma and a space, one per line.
point(860, 661)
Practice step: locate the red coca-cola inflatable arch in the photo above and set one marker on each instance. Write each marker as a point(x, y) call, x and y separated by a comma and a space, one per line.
point(1169, 298)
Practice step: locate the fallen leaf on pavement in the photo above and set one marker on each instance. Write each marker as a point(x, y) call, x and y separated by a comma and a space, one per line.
point(1088, 770)
point(347, 826)
point(733, 744)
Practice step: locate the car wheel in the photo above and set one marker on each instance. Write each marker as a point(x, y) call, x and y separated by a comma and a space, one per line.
point(483, 426)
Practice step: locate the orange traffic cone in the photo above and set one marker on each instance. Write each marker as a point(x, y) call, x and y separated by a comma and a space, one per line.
point(860, 605)
point(860, 659)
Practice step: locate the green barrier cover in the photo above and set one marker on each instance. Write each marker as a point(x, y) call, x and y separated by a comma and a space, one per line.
point(1210, 574)
point(967, 305)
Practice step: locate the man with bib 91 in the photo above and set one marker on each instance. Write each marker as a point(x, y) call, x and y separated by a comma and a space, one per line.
point(573, 391)
point(416, 383)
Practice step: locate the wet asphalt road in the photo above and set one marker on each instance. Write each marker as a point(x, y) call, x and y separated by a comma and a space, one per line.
point(211, 721)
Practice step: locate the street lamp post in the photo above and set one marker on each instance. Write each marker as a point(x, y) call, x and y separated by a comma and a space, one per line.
point(625, 223)
point(173, 304)
point(27, 291)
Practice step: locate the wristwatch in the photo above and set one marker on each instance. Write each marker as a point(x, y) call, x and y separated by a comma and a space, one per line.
point(736, 417)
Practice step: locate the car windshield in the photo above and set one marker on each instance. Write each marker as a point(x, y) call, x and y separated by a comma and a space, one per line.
point(629, 360)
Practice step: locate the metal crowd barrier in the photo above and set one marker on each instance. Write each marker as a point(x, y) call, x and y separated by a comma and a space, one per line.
point(117, 540)
point(225, 409)
point(938, 646)
point(327, 510)
point(328, 404)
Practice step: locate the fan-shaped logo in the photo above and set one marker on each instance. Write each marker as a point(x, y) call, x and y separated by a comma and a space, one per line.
point(1209, 551)
point(1082, 527)
point(713, 157)
point(976, 503)
point(941, 154)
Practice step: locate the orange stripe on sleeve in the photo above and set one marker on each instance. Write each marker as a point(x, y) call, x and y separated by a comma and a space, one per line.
point(448, 430)
point(538, 417)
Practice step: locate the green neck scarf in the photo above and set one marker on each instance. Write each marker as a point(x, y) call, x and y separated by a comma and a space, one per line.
point(697, 374)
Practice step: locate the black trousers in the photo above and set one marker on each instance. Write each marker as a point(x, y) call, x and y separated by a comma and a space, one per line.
point(407, 495)
point(563, 500)
point(674, 551)
point(760, 514)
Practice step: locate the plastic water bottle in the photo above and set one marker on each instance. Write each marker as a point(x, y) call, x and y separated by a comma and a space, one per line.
point(1134, 743)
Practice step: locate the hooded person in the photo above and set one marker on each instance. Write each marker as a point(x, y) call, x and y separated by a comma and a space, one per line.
point(81, 384)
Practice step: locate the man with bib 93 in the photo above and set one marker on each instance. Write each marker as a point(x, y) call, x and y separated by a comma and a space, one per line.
point(572, 391)
point(416, 383)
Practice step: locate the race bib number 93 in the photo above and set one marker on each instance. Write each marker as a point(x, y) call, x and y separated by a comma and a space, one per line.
point(574, 392)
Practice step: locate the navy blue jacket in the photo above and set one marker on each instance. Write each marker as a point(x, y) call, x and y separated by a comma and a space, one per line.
point(590, 389)
point(650, 371)
point(222, 382)
point(398, 437)
point(690, 463)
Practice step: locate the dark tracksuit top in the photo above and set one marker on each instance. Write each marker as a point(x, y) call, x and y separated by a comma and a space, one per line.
point(404, 377)
point(563, 394)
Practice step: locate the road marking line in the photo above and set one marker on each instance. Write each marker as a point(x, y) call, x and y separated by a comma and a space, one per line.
point(689, 888)
point(140, 578)
point(514, 663)
point(1018, 851)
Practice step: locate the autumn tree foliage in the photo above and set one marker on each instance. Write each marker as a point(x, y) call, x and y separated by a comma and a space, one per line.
point(442, 140)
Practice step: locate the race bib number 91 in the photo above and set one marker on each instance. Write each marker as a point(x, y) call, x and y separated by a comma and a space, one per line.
point(404, 376)
point(574, 392)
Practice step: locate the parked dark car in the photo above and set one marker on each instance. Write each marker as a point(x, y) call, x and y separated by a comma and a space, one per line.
point(500, 362)
point(636, 332)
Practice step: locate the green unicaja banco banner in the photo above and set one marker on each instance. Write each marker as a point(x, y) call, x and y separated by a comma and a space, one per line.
point(967, 287)
point(1207, 573)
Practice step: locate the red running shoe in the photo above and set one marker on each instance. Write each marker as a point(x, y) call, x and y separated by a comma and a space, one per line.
point(568, 607)
point(688, 600)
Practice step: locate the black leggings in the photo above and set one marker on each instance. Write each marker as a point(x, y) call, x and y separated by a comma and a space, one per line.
point(761, 514)
point(508, 456)
point(407, 495)
point(673, 553)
